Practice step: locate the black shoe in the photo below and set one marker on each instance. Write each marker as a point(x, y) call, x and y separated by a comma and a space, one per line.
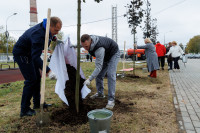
point(30, 112)
point(47, 105)
point(162, 68)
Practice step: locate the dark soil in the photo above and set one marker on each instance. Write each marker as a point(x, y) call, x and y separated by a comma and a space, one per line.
point(68, 114)
point(132, 76)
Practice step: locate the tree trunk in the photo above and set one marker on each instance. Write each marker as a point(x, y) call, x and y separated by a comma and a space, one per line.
point(78, 56)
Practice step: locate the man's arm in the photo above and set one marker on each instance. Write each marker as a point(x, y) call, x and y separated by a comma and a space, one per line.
point(99, 53)
point(36, 53)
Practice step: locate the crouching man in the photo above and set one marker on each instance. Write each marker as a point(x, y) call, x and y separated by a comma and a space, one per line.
point(107, 56)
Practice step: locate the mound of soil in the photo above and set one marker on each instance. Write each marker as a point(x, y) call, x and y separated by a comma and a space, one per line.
point(68, 114)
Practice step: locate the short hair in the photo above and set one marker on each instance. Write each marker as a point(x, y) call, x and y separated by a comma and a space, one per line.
point(158, 42)
point(174, 42)
point(147, 40)
point(85, 37)
point(54, 21)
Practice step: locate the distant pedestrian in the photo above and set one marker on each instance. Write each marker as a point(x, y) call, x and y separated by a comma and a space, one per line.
point(151, 56)
point(169, 58)
point(90, 58)
point(87, 57)
point(176, 52)
point(161, 51)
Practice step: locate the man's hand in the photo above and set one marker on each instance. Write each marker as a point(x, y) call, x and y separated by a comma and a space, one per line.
point(87, 82)
point(52, 75)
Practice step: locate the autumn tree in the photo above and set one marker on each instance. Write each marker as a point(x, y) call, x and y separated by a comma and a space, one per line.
point(193, 46)
point(3, 43)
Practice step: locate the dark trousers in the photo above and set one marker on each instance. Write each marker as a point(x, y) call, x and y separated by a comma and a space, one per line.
point(161, 61)
point(32, 82)
point(169, 64)
point(176, 65)
point(90, 58)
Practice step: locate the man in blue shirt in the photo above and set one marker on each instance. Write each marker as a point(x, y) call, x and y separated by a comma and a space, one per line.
point(27, 52)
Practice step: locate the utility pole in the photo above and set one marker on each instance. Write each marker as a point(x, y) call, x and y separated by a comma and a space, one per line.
point(114, 23)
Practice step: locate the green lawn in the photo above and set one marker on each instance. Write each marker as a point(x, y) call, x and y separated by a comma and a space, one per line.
point(144, 105)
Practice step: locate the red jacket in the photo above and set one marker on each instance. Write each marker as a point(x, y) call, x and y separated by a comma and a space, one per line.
point(160, 49)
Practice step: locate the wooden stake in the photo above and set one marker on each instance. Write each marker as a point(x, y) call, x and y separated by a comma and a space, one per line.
point(124, 55)
point(78, 56)
point(45, 58)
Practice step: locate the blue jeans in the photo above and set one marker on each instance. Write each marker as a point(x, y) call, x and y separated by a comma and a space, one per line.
point(32, 82)
point(110, 68)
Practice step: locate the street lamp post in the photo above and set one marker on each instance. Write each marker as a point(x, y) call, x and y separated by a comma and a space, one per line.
point(7, 34)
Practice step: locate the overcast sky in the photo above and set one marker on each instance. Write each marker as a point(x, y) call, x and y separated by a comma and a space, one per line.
point(178, 20)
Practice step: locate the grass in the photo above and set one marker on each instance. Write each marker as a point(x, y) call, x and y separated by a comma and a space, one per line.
point(146, 105)
point(9, 63)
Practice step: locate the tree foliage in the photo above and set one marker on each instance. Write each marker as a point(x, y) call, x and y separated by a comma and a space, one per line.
point(134, 14)
point(193, 46)
point(3, 41)
point(150, 28)
point(154, 31)
point(181, 45)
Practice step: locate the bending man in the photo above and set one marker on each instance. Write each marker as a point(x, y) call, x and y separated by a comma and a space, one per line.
point(107, 56)
point(27, 52)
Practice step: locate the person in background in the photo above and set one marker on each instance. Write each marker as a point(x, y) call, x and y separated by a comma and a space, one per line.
point(151, 57)
point(176, 51)
point(107, 56)
point(169, 58)
point(161, 51)
point(90, 58)
point(27, 52)
point(87, 57)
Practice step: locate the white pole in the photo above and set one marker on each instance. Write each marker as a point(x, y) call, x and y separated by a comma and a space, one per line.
point(124, 55)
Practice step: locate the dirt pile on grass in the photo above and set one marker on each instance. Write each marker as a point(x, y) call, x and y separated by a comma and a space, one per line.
point(68, 114)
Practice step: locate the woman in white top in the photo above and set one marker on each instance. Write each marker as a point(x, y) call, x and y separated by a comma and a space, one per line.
point(175, 51)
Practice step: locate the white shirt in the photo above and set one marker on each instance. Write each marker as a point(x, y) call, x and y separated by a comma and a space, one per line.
point(175, 51)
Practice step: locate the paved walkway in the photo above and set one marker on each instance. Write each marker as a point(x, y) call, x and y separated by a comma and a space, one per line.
point(187, 88)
